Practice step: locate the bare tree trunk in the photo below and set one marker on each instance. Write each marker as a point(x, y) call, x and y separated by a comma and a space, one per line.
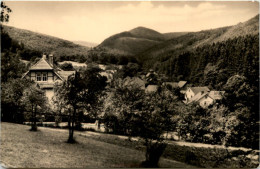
point(153, 153)
point(71, 127)
point(34, 125)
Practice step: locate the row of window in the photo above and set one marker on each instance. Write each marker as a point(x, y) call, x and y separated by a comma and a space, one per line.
point(41, 77)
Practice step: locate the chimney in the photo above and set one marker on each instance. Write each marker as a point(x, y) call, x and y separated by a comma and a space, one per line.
point(51, 59)
point(44, 56)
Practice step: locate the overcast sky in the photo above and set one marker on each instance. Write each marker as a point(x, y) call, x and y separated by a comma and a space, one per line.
point(95, 21)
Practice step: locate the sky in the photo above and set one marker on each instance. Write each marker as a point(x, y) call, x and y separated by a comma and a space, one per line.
point(94, 21)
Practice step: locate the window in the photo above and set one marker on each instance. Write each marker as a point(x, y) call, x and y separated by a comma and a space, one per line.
point(44, 77)
point(38, 77)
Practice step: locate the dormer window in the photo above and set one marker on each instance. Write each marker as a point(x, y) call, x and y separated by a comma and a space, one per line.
point(44, 77)
point(38, 77)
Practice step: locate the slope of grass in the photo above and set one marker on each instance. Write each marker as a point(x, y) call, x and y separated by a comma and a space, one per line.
point(47, 148)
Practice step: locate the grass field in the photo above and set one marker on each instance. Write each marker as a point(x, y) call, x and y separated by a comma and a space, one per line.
point(48, 148)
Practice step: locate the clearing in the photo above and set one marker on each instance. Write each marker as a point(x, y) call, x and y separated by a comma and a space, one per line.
point(48, 148)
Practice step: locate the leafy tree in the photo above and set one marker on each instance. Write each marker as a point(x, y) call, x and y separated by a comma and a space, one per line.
point(80, 91)
point(34, 100)
point(219, 127)
point(11, 67)
point(4, 12)
point(67, 66)
point(242, 100)
point(154, 120)
point(147, 115)
point(11, 103)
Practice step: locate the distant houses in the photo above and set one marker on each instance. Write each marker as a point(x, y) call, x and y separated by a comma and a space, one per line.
point(202, 95)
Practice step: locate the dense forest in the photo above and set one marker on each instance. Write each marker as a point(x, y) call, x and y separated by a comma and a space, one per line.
point(223, 59)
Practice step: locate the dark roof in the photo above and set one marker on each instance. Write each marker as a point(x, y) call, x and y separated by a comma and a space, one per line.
point(172, 84)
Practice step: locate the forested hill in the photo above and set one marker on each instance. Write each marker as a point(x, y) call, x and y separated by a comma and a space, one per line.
point(212, 65)
point(148, 45)
point(45, 43)
point(192, 40)
point(134, 41)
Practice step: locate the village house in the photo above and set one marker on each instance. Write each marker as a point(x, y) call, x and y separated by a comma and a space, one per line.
point(210, 98)
point(191, 92)
point(46, 74)
point(203, 96)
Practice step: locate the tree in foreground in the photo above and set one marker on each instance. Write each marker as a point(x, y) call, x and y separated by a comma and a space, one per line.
point(4, 12)
point(34, 101)
point(154, 121)
point(81, 92)
point(147, 115)
point(11, 95)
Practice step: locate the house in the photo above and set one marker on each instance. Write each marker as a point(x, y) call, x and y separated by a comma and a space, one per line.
point(191, 92)
point(210, 98)
point(203, 97)
point(45, 74)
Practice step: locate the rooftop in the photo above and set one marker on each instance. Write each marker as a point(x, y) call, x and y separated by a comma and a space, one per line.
point(197, 90)
point(42, 64)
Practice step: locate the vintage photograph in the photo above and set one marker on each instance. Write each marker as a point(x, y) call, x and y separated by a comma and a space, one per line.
point(129, 84)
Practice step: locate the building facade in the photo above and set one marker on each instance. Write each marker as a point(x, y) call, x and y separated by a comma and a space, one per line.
point(46, 74)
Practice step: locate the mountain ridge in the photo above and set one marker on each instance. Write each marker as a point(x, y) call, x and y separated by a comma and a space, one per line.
point(167, 41)
point(45, 43)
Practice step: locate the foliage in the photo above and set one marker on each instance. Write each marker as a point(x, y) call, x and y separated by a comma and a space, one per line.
point(11, 67)
point(47, 44)
point(81, 91)
point(11, 103)
point(34, 101)
point(147, 115)
point(66, 66)
point(131, 70)
point(4, 12)
point(107, 56)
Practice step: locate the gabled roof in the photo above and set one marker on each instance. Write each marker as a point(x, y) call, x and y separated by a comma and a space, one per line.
point(42, 64)
point(182, 83)
point(197, 90)
point(197, 97)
